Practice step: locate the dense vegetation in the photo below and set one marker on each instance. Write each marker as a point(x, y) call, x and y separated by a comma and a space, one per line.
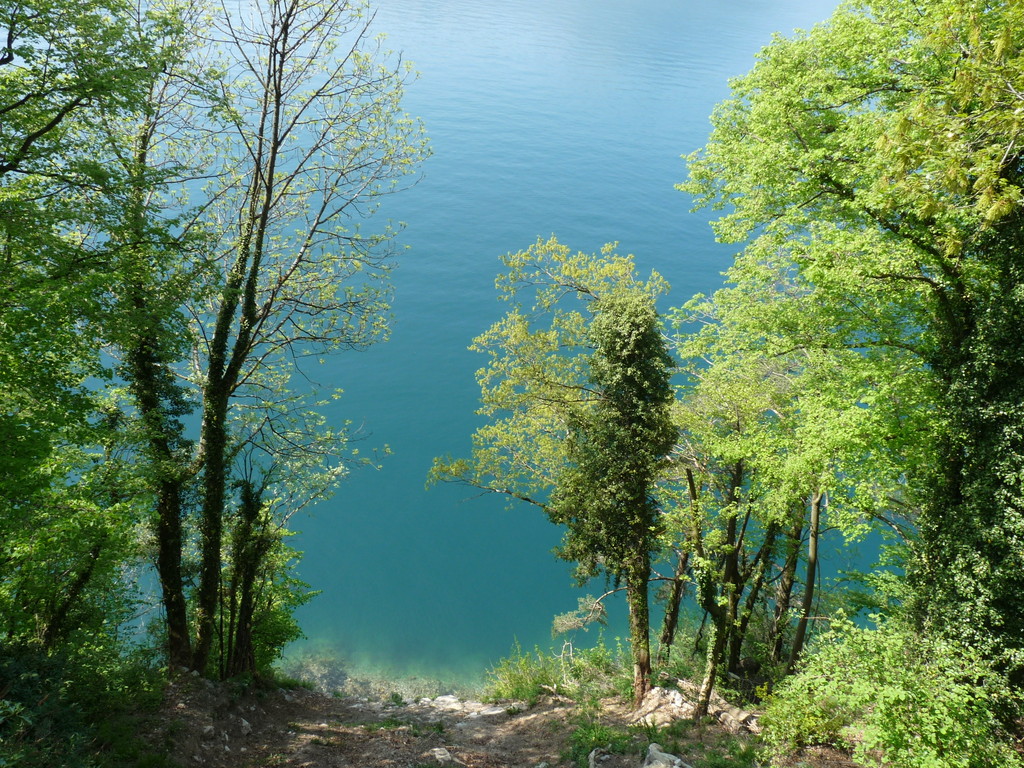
point(178, 195)
point(180, 189)
point(860, 373)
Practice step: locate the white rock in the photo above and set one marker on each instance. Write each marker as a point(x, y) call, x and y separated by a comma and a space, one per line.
point(246, 727)
point(209, 732)
point(442, 755)
point(656, 758)
point(493, 711)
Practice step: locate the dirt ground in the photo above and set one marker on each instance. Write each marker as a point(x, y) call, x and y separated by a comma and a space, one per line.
point(203, 724)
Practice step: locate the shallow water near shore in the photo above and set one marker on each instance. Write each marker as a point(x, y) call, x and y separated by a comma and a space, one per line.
point(546, 116)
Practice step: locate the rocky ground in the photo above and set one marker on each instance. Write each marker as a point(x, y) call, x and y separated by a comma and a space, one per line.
point(203, 724)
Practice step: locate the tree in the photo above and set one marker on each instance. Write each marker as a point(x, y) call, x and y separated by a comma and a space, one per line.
point(615, 450)
point(67, 510)
point(579, 394)
point(316, 136)
point(874, 161)
point(62, 65)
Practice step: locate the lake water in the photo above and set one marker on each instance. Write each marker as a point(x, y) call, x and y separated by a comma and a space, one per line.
point(563, 117)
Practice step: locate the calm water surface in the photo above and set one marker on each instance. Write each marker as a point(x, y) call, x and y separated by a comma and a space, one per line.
point(563, 117)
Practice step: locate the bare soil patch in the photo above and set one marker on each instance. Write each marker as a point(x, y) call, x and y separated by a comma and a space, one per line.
point(220, 726)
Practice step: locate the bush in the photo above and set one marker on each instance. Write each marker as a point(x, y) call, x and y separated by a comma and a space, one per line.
point(523, 677)
point(576, 673)
point(894, 698)
point(74, 707)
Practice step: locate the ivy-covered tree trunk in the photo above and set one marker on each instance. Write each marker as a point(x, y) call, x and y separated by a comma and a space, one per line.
point(970, 573)
point(637, 597)
point(670, 621)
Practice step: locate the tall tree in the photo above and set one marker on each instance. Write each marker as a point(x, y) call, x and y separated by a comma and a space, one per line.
point(316, 136)
point(616, 449)
point(269, 131)
point(67, 497)
point(875, 159)
point(577, 387)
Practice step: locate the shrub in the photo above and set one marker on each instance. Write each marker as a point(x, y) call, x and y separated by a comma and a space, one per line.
point(522, 677)
point(894, 698)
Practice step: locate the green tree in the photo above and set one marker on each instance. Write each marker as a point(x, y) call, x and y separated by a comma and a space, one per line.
point(67, 511)
point(228, 284)
point(579, 394)
point(615, 450)
point(874, 162)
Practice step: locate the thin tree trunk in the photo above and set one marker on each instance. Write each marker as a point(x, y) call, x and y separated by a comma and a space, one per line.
point(55, 626)
point(250, 551)
point(764, 556)
point(223, 367)
point(145, 374)
point(151, 384)
point(784, 592)
point(715, 650)
point(211, 523)
point(812, 566)
point(675, 598)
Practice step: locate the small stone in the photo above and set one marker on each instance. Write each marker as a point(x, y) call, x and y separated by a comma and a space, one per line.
point(208, 732)
point(246, 727)
point(442, 755)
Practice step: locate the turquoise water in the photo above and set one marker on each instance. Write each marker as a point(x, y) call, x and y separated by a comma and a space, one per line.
point(563, 117)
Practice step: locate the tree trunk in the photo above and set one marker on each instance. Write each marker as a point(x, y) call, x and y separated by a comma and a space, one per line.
point(249, 552)
point(151, 388)
point(211, 522)
point(639, 625)
point(715, 649)
point(784, 593)
point(675, 598)
point(760, 566)
point(812, 566)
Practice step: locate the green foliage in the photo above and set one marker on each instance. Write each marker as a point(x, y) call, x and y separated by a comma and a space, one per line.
point(523, 677)
point(896, 698)
point(577, 392)
point(77, 707)
point(582, 674)
point(589, 735)
point(872, 170)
